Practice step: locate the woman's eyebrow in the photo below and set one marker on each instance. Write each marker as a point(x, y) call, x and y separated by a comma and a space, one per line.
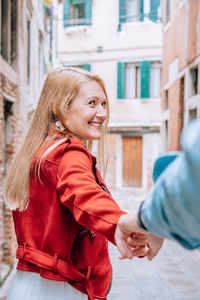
point(97, 98)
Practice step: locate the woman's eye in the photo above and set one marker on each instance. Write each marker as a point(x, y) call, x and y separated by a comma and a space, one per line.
point(104, 104)
point(92, 102)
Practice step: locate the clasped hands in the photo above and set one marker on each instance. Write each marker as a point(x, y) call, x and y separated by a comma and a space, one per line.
point(133, 241)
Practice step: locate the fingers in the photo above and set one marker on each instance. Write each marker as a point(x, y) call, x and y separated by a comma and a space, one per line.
point(135, 241)
point(132, 244)
point(122, 245)
point(150, 255)
point(155, 243)
point(141, 251)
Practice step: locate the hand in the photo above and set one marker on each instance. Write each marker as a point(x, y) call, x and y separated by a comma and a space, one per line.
point(128, 224)
point(138, 246)
point(155, 242)
point(122, 244)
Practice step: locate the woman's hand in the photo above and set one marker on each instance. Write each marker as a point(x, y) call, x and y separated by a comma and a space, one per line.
point(129, 227)
point(130, 246)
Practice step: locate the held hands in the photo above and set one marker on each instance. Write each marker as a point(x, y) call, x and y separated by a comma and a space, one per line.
point(132, 240)
point(131, 245)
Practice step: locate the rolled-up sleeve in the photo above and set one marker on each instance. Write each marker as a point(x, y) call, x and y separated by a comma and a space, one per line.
point(172, 208)
point(78, 190)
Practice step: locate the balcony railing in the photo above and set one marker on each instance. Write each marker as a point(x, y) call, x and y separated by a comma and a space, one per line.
point(77, 22)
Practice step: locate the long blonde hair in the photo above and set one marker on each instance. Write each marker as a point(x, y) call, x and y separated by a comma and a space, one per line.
point(60, 88)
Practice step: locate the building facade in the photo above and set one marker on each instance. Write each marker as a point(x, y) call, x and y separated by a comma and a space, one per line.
point(122, 42)
point(24, 60)
point(181, 64)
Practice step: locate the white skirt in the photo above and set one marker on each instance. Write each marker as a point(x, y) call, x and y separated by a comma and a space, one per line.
point(31, 286)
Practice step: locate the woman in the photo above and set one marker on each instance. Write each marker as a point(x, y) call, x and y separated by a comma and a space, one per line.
point(63, 212)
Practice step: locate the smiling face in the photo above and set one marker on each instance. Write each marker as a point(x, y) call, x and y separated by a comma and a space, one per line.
point(88, 111)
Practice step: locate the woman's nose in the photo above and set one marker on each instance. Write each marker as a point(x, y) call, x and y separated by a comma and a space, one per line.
point(101, 112)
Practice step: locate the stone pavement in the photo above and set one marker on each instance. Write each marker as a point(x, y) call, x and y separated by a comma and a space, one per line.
point(174, 274)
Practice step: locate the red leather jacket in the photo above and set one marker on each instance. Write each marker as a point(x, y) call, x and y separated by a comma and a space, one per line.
point(52, 233)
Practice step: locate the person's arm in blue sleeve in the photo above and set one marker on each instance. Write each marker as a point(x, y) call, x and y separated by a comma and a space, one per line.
point(172, 208)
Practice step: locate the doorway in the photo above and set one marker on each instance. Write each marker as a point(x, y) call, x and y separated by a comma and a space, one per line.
point(132, 161)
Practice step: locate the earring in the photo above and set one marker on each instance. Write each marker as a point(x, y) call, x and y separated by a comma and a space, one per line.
point(67, 123)
point(59, 126)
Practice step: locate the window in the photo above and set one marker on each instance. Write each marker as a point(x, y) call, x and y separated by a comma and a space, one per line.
point(136, 10)
point(155, 80)
point(181, 102)
point(9, 31)
point(7, 132)
point(130, 10)
point(192, 114)
point(194, 81)
point(77, 12)
point(166, 103)
point(166, 128)
point(155, 11)
point(138, 80)
point(167, 11)
point(132, 81)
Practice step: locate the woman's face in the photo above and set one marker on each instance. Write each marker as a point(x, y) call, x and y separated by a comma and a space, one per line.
point(88, 111)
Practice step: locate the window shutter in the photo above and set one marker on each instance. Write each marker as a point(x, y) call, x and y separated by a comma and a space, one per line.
point(121, 80)
point(154, 10)
point(145, 75)
point(88, 12)
point(87, 67)
point(66, 13)
point(122, 11)
point(73, 2)
point(141, 10)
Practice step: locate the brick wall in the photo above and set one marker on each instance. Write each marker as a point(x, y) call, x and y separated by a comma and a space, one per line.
point(178, 61)
point(1, 170)
point(9, 139)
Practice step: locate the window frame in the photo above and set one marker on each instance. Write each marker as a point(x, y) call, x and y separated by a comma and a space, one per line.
point(142, 79)
point(70, 7)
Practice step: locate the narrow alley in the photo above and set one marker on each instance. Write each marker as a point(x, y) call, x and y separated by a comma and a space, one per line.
point(173, 274)
point(143, 56)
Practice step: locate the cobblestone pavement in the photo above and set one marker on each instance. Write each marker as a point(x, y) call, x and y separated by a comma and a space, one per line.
point(174, 274)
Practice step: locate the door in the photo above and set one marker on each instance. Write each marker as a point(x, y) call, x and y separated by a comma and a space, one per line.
point(132, 161)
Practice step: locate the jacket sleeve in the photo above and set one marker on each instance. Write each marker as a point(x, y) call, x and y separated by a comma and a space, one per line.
point(173, 205)
point(91, 206)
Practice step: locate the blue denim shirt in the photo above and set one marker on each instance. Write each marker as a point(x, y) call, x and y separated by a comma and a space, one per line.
point(172, 208)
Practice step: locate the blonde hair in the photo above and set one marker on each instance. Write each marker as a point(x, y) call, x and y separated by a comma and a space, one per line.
point(60, 88)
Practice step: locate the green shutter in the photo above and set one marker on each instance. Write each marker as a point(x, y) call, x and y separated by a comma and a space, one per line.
point(66, 13)
point(121, 80)
point(154, 10)
point(122, 11)
point(141, 10)
point(73, 2)
point(145, 76)
point(88, 12)
point(87, 67)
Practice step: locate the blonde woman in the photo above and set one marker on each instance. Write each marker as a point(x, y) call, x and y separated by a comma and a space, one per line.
point(63, 212)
